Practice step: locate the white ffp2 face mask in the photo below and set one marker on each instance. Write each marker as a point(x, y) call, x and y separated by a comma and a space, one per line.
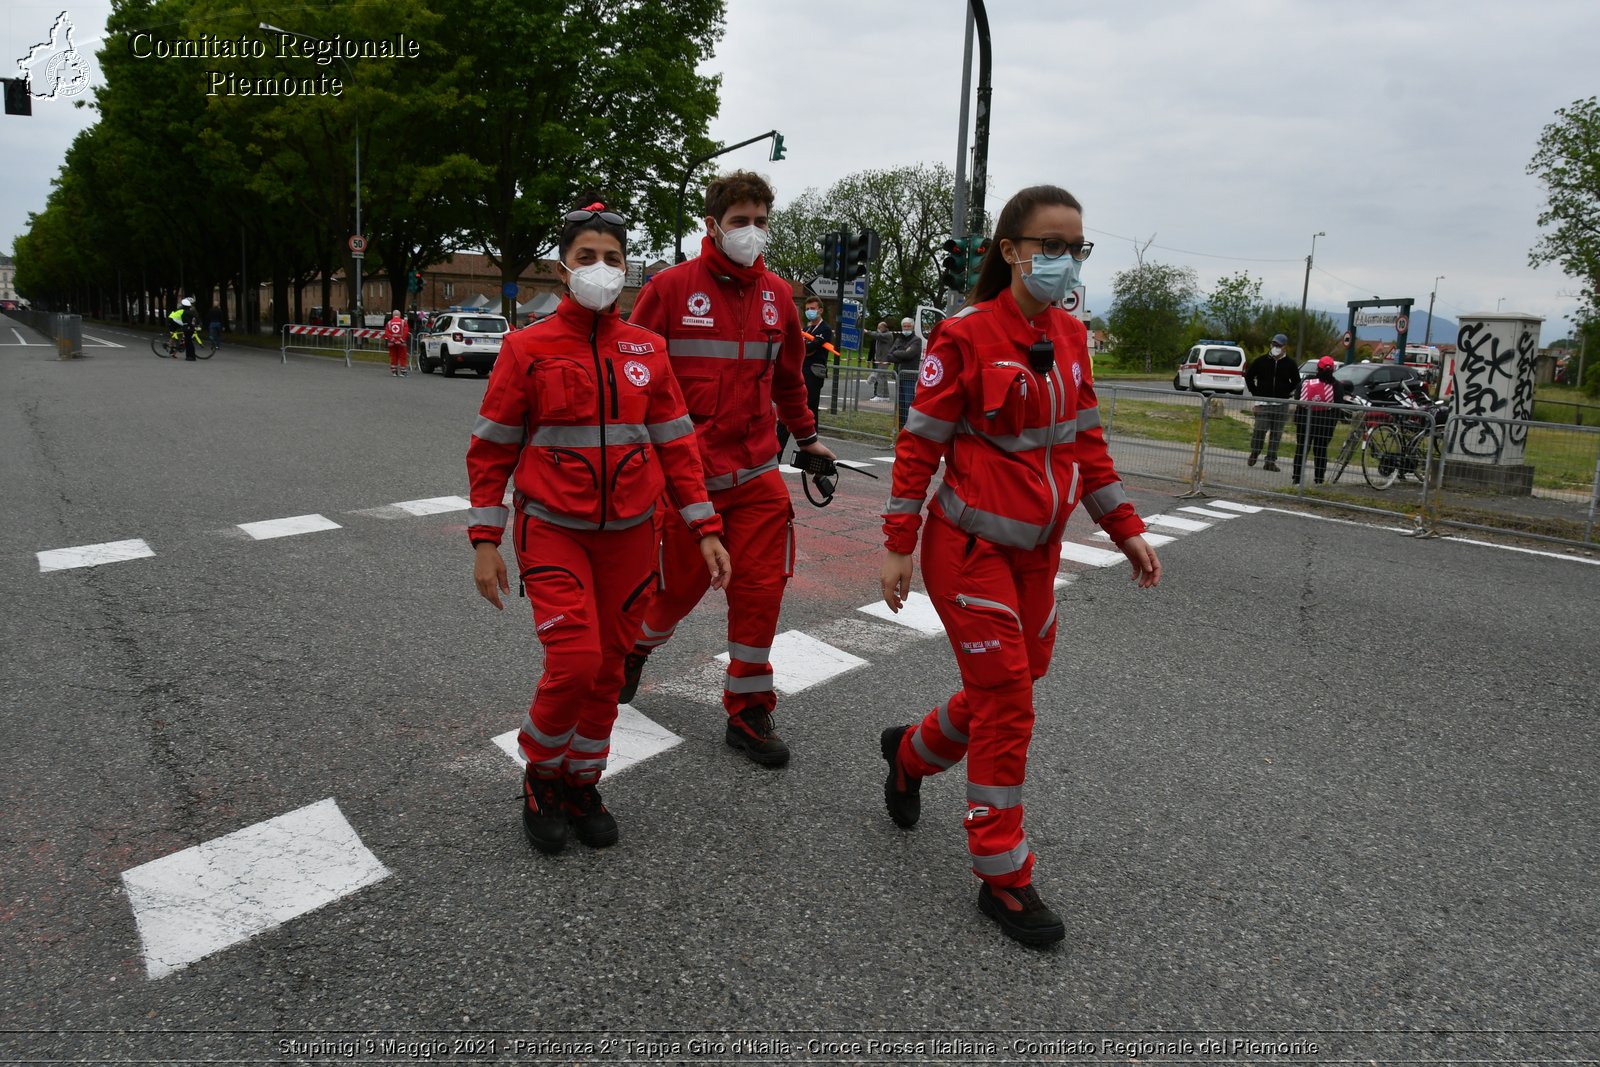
point(745, 244)
point(596, 286)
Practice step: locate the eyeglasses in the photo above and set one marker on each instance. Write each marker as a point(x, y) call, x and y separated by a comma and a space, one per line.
point(1055, 247)
point(610, 218)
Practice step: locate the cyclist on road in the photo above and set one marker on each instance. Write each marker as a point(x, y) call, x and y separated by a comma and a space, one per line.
point(1004, 397)
point(184, 320)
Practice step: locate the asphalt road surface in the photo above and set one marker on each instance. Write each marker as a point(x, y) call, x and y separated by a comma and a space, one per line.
point(1329, 793)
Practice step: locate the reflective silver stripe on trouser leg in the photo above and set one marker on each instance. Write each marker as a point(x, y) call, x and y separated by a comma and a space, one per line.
point(749, 653)
point(557, 744)
point(948, 728)
point(649, 638)
point(926, 754)
point(586, 745)
point(994, 796)
point(1049, 621)
point(1002, 863)
point(756, 683)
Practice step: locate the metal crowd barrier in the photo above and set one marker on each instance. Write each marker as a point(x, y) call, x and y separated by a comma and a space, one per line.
point(66, 331)
point(330, 341)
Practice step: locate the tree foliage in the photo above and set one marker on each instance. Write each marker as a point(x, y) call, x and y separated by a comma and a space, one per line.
point(1233, 304)
point(1150, 315)
point(1567, 161)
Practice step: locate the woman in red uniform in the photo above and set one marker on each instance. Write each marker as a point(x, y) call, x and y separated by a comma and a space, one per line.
point(1004, 397)
point(584, 415)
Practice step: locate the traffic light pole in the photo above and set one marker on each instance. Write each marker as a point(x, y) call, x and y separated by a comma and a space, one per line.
point(980, 137)
point(688, 172)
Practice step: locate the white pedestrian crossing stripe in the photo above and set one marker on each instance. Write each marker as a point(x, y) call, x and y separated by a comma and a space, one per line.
point(1154, 540)
point(1208, 513)
point(434, 505)
point(1243, 509)
point(61, 559)
point(634, 739)
point(290, 527)
point(917, 612)
point(800, 662)
point(853, 463)
point(1186, 525)
point(223, 892)
point(1094, 557)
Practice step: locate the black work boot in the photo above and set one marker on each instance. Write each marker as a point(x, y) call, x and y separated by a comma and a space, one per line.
point(544, 818)
point(632, 667)
point(902, 792)
point(1021, 914)
point(591, 821)
point(1250, 460)
point(751, 731)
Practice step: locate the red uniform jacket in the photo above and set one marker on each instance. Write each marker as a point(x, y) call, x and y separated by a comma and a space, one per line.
point(396, 332)
point(584, 407)
point(736, 347)
point(1020, 448)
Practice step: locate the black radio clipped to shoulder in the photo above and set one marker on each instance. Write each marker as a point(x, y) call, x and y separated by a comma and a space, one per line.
point(1042, 356)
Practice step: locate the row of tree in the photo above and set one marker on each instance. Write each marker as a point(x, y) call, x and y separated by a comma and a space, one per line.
point(512, 111)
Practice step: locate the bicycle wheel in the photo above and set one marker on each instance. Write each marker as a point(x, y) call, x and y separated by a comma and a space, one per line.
point(1382, 457)
point(1346, 451)
point(158, 345)
point(205, 349)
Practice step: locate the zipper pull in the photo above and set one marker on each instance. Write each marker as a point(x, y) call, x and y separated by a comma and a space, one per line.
point(961, 599)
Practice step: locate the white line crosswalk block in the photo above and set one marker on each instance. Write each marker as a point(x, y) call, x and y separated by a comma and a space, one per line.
point(298, 524)
point(1173, 522)
point(1243, 509)
point(800, 662)
point(1154, 540)
point(434, 505)
point(784, 468)
point(917, 612)
point(220, 893)
point(634, 739)
point(1208, 513)
point(884, 459)
point(1094, 557)
point(62, 559)
point(857, 464)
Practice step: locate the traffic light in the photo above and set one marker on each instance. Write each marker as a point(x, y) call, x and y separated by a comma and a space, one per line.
point(18, 99)
point(778, 151)
point(953, 271)
point(414, 283)
point(832, 253)
point(859, 250)
point(977, 247)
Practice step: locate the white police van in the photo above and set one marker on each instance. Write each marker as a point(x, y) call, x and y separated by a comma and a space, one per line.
point(1212, 367)
point(462, 339)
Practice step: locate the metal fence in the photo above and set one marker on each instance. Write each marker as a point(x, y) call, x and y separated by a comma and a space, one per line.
point(330, 341)
point(66, 331)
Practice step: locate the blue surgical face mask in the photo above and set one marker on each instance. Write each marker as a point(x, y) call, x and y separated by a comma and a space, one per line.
point(811, 314)
point(1052, 279)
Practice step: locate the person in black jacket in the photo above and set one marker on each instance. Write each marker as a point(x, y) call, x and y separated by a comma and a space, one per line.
point(819, 339)
point(1273, 375)
point(906, 355)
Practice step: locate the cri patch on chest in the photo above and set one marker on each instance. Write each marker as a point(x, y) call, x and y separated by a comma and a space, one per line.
point(632, 348)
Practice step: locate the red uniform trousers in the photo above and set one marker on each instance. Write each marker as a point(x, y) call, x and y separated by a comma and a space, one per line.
point(589, 590)
point(397, 356)
point(998, 605)
point(758, 530)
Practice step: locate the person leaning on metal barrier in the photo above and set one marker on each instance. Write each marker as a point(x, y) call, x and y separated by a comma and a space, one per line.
point(1313, 422)
point(1272, 375)
point(905, 352)
point(1008, 379)
point(882, 368)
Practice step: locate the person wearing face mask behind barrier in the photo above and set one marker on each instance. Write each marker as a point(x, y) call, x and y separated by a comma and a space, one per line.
point(905, 353)
point(1314, 422)
point(1005, 397)
point(819, 341)
point(583, 414)
point(1272, 375)
point(736, 346)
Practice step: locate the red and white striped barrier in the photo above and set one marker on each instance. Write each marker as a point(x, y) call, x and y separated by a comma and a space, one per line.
point(316, 331)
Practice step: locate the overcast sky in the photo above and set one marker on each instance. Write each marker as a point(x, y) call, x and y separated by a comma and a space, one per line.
point(1231, 130)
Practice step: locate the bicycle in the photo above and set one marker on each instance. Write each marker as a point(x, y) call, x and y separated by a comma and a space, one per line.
point(1395, 452)
point(170, 345)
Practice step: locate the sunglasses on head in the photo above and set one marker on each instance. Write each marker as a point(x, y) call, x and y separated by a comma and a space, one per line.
point(610, 218)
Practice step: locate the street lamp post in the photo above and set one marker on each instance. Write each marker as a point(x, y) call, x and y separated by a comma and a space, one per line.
point(1428, 334)
point(1300, 344)
point(358, 320)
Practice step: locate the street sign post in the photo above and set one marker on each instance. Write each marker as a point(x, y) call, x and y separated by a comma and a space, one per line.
point(826, 288)
point(358, 245)
point(850, 326)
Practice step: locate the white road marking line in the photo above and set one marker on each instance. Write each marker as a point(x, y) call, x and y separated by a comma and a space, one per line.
point(884, 459)
point(1243, 509)
point(223, 892)
point(917, 612)
point(1064, 580)
point(1452, 538)
point(1208, 513)
point(434, 505)
point(1094, 557)
point(784, 468)
point(1154, 540)
point(18, 335)
point(634, 739)
point(857, 464)
point(800, 662)
point(102, 342)
point(298, 524)
point(61, 559)
point(1172, 521)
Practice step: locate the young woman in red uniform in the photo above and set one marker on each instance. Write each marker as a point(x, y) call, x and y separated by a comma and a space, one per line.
point(1004, 397)
point(583, 414)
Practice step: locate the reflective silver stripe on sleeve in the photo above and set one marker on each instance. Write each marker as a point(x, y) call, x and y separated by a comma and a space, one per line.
point(1088, 419)
point(996, 796)
point(1105, 500)
point(500, 433)
point(903, 505)
point(588, 744)
point(616, 433)
point(488, 516)
point(928, 755)
point(739, 477)
point(948, 728)
point(544, 739)
point(1050, 620)
point(926, 426)
point(700, 512)
point(987, 525)
point(703, 347)
point(569, 522)
point(662, 432)
point(749, 653)
point(1002, 863)
point(760, 683)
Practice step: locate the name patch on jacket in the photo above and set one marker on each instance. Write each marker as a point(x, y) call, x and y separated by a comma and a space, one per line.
point(632, 348)
point(698, 320)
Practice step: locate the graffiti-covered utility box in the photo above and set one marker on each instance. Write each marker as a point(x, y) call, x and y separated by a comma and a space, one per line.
point(1497, 361)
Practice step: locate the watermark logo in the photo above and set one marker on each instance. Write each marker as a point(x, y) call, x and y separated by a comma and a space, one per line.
point(54, 68)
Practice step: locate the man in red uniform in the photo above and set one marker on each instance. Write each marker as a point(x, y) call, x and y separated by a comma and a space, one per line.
point(397, 333)
point(736, 346)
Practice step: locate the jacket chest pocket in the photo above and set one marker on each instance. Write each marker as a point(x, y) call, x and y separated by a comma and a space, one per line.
point(700, 394)
point(1003, 399)
point(633, 405)
point(565, 391)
